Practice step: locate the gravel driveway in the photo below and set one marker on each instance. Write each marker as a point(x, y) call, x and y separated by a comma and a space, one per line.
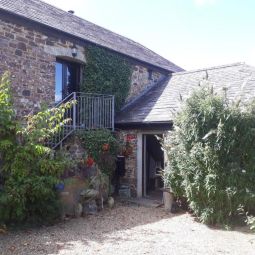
point(128, 229)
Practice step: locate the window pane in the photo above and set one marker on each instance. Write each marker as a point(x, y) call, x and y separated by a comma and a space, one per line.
point(58, 82)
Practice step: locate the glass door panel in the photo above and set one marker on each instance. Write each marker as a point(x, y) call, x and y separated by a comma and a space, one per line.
point(66, 79)
point(58, 82)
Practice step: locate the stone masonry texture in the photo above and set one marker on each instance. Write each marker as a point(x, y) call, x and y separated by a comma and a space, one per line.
point(28, 51)
point(130, 178)
point(142, 78)
point(24, 54)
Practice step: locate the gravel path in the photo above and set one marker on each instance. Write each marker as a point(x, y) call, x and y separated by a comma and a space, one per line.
point(128, 230)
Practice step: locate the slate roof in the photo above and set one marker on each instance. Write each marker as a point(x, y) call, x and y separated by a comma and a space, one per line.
point(38, 11)
point(159, 105)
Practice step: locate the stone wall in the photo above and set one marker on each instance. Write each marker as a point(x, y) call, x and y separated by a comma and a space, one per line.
point(74, 150)
point(142, 78)
point(29, 53)
point(130, 137)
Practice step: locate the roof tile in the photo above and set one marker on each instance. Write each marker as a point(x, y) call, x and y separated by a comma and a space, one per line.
point(162, 102)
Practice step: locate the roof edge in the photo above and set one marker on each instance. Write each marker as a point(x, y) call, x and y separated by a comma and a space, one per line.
point(167, 125)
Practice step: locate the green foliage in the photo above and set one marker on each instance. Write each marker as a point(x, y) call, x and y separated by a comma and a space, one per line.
point(250, 220)
point(29, 168)
point(7, 114)
point(211, 156)
point(6, 109)
point(94, 142)
point(106, 73)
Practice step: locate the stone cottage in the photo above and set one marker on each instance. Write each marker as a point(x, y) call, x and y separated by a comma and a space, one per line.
point(44, 49)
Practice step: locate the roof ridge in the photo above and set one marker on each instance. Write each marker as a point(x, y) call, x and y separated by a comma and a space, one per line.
point(147, 55)
point(80, 18)
point(209, 68)
point(54, 6)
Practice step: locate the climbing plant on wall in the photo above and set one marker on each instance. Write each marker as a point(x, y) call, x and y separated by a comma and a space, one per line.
point(106, 73)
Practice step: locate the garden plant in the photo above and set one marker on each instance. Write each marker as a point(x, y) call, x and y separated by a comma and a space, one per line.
point(29, 170)
point(211, 156)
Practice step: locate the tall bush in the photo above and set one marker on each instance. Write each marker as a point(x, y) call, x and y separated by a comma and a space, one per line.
point(211, 156)
point(29, 169)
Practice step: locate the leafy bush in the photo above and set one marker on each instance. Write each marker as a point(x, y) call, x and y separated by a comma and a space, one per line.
point(7, 114)
point(250, 220)
point(211, 156)
point(102, 146)
point(29, 169)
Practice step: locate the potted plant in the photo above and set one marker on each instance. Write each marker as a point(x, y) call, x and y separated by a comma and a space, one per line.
point(106, 147)
point(90, 161)
point(127, 150)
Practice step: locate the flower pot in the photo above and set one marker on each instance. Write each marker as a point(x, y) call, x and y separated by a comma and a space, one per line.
point(168, 198)
point(60, 186)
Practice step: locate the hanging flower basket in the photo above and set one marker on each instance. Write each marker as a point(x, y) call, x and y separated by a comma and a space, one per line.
point(90, 161)
point(106, 147)
point(127, 150)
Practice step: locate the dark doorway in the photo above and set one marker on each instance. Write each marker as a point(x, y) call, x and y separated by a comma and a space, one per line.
point(153, 163)
point(67, 78)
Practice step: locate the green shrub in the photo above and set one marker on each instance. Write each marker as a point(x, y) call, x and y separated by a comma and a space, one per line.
point(29, 169)
point(211, 155)
point(250, 220)
point(94, 142)
point(7, 113)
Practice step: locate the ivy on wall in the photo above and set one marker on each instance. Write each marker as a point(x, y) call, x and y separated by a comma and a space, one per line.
point(106, 73)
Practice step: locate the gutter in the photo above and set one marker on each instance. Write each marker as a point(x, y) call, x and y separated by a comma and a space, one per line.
point(163, 125)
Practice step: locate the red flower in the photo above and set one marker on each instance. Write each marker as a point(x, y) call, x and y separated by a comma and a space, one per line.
point(105, 146)
point(89, 162)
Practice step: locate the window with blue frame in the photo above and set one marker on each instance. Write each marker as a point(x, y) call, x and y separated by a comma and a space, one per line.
point(67, 78)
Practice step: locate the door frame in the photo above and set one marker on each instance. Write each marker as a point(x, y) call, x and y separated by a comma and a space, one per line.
point(141, 160)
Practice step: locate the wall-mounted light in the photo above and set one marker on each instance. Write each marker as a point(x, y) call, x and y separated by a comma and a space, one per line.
point(74, 51)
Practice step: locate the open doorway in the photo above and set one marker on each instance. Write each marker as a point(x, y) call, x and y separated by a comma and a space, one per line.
point(153, 163)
